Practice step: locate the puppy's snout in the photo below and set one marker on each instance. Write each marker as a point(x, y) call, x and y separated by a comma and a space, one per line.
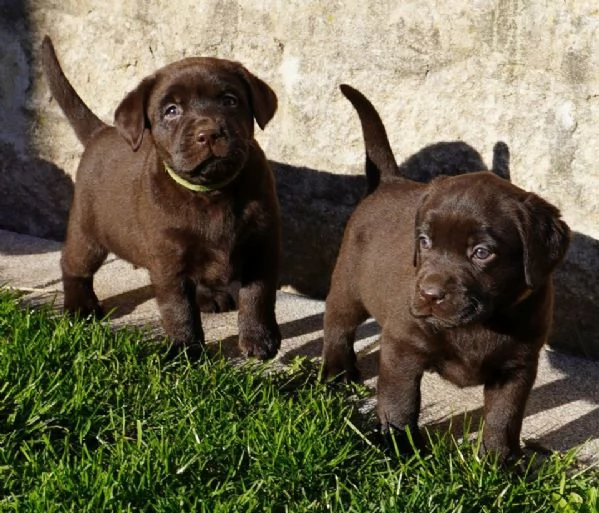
point(214, 140)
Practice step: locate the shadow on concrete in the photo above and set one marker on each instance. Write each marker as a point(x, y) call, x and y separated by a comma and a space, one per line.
point(313, 347)
point(578, 384)
point(14, 244)
point(126, 302)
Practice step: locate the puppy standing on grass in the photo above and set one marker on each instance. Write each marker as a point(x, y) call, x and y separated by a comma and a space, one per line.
point(178, 186)
point(458, 273)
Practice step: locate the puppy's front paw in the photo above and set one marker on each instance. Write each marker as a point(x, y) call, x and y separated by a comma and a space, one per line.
point(84, 311)
point(339, 374)
point(506, 456)
point(80, 298)
point(192, 351)
point(400, 441)
point(339, 368)
point(260, 342)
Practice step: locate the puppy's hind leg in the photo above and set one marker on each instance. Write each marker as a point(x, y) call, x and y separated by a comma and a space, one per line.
point(343, 315)
point(81, 258)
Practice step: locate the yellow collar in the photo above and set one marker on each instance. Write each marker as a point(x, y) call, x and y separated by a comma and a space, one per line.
point(197, 187)
point(527, 292)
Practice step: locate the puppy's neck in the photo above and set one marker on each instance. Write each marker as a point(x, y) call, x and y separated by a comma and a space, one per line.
point(194, 186)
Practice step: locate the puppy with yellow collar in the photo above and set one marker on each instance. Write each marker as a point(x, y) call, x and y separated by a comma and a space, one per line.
point(180, 187)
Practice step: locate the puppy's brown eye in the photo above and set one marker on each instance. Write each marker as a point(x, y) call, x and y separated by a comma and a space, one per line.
point(229, 100)
point(482, 253)
point(424, 242)
point(171, 111)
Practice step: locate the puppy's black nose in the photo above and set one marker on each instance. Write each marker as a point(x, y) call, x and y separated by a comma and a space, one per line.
point(432, 292)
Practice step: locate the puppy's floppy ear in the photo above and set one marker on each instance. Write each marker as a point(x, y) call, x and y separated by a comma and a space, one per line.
point(264, 99)
point(545, 238)
point(130, 116)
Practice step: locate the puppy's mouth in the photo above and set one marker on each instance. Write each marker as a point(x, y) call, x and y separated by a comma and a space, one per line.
point(211, 171)
point(204, 172)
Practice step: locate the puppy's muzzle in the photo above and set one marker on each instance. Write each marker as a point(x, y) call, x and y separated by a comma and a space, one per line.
point(442, 300)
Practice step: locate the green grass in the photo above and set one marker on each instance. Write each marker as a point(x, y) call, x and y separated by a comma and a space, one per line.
point(95, 420)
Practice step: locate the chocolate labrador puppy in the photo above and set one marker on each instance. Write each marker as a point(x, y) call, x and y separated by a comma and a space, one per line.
point(178, 186)
point(458, 273)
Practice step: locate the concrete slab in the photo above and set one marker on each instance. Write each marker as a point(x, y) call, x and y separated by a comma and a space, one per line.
point(562, 413)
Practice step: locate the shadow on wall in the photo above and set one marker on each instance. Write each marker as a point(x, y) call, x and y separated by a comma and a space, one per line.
point(315, 206)
point(576, 319)
point(35, 195)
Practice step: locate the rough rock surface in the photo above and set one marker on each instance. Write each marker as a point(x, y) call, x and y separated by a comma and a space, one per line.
point(524, 72)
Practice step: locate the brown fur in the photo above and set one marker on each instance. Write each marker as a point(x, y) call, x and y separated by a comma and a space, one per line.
point(200, 248)
point(458, 273)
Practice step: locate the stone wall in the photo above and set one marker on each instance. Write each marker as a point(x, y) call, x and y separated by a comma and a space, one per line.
point(522, 71)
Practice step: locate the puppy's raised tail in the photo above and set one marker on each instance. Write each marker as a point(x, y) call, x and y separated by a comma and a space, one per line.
point(81, 118)
point(380, 161)
point(501, 160)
